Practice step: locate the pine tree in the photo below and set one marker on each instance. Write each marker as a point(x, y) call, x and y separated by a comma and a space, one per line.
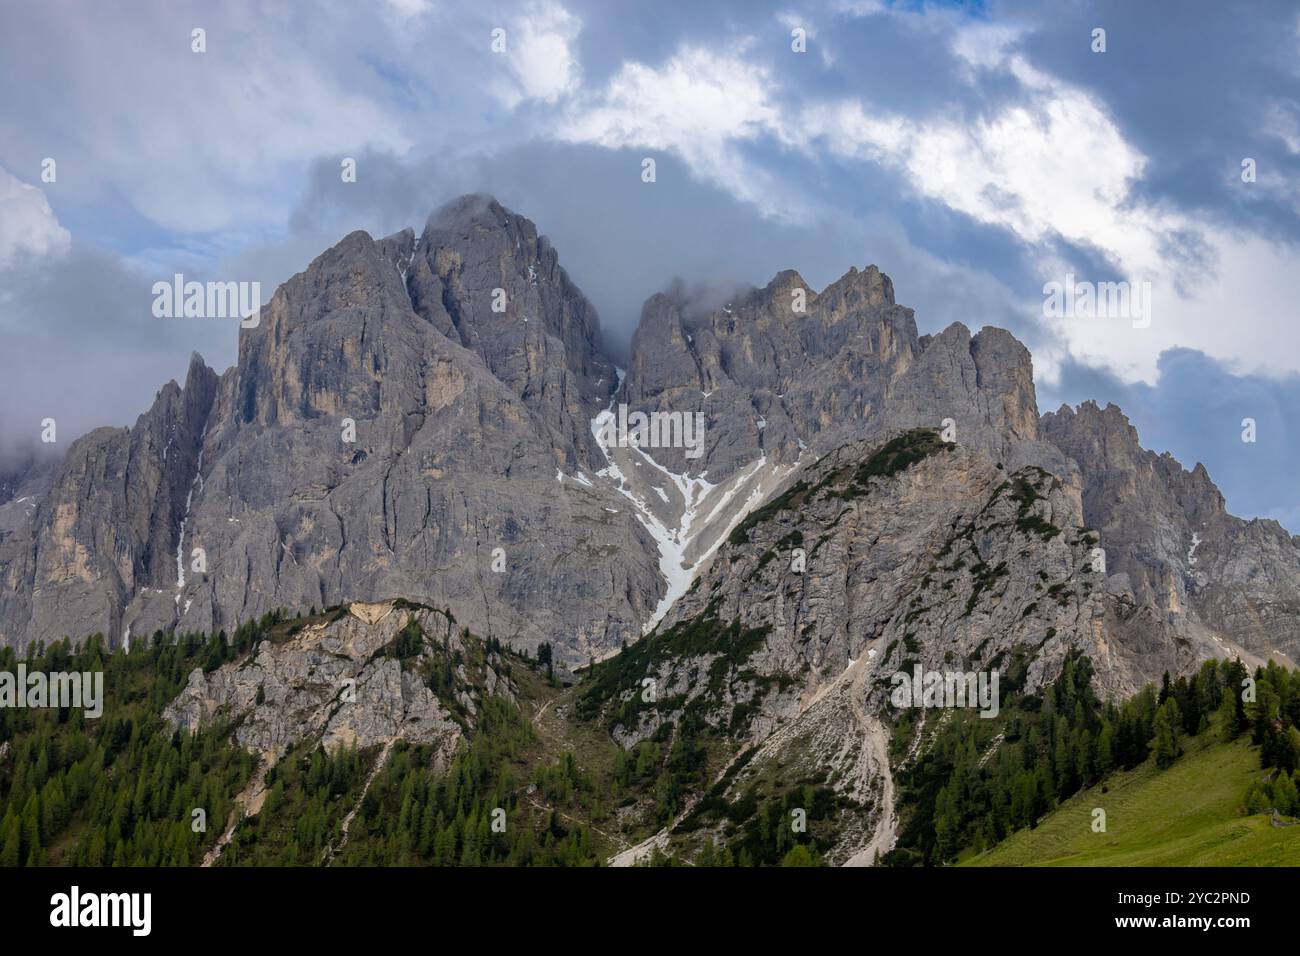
point(1167, 726)
point(1285, 797)
point(10, 843)
point(1104, 759)
point(800, 855)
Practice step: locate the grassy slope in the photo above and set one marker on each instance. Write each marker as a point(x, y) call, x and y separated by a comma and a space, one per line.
point(1187, 815)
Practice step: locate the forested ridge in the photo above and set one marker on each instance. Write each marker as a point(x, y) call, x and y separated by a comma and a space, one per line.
point(977, 781)
point(127, 789)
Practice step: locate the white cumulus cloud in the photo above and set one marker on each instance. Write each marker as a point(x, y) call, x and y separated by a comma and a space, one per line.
point(540, 53)
point(28, 226)
point(702, 105)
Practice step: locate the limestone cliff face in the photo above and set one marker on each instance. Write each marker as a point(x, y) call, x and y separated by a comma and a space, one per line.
point(773, 370)
point(108, 525)
point(1167, 533)
point(785, 369)
point(335, 682)
point(360, 450)
point(484, 278)
point(951, 562)
point(875, 561)
point(413, 416)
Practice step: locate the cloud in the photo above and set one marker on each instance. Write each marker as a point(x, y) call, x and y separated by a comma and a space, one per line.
point(973, 156)
point(407, 9)
point(700, 104)
point(1051, 167)
point(195, 141)
point(622, 240)
point(82, 346)
point(540, 51)
point(28, 226)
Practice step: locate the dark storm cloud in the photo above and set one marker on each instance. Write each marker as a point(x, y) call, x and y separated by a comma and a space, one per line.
point(1195, 86)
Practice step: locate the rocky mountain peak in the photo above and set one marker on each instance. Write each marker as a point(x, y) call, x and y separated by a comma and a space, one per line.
point(869, 288)
point(485, 278)
point(416, 416)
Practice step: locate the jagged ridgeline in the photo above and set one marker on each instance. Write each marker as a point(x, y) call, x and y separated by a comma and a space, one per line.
point(418, 416)
point(428, 416)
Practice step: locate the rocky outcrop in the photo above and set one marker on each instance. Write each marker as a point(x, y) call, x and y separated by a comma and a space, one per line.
point(110, 523)
point(25, 478)
point(341, 682)
point(484, 277)
point(1167, 532)
point(785, 369)
point(951, 561)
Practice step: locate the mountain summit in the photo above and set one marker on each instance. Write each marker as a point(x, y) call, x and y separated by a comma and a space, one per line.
point(420, 416)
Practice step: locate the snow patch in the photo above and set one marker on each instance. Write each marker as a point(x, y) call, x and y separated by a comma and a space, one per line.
point(189, 498)
point(673, 542)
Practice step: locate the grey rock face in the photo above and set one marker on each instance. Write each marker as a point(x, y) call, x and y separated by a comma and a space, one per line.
point(109, 524)
point(24, 472)
point(25, 479)
point(1167, 530)
point(413, 417)
point(449, 464)
point(773, 380)
point(483, 277)
point(330, 684)
point(788, 645)
point(953, 563)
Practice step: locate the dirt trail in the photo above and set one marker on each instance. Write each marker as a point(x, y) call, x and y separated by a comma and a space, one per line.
point(330, 852)
point(875, 762)
point(547, 808)
point(643, 850)
point(247, 802)
point(876, 740)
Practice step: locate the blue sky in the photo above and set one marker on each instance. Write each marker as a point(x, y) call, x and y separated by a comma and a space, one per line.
point(973, 151)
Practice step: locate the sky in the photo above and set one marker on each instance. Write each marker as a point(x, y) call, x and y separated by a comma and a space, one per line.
point(978, 153)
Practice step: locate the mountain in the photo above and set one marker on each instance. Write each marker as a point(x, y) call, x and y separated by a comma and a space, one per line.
point(472, 450)
point(25, 477)
point(469, 370)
